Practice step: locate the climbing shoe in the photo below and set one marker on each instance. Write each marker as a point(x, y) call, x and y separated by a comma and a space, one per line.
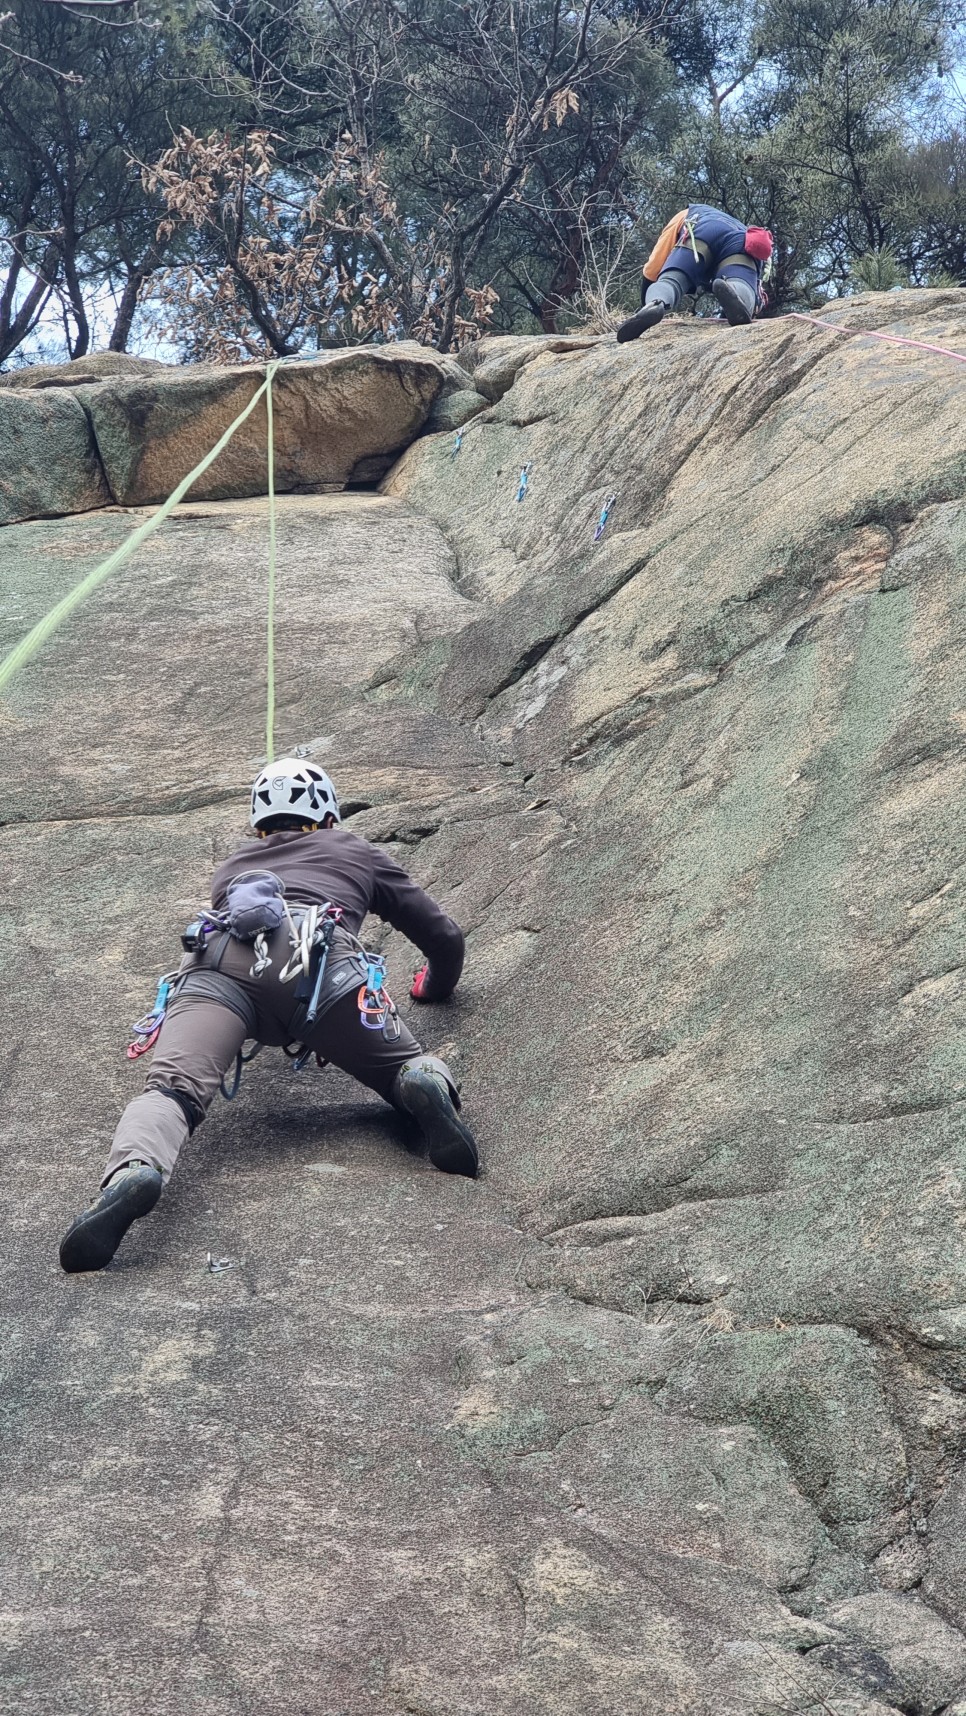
point(426, 1094)
point(736, 300)
point(91, 1241)
point(646, 317)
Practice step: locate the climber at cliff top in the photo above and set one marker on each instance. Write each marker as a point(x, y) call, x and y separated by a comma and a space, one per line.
point(277, 961)
point(700, 248)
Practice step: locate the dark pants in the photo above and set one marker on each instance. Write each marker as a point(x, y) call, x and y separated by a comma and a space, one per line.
point(200, 1039)
point(690, 274)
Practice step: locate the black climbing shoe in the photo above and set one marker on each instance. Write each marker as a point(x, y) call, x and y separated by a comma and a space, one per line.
point(91, 1241)
point(733, 302)
point(426, 1095)
point(646, 317)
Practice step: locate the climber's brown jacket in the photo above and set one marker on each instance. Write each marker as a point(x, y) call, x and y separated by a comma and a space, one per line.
point(334, 865)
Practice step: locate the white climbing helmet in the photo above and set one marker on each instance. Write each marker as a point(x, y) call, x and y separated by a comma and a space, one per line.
point(293, 787)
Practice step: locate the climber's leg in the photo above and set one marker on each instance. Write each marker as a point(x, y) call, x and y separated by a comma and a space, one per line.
point(735, 286)
point(425, 1089)
point(198, 1042)
point(667, 292)
point(398, 1071)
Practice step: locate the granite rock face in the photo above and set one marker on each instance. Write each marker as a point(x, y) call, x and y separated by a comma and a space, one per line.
point(666, 1413)
point(48, 461)
point(98, 366)
point(331, 414)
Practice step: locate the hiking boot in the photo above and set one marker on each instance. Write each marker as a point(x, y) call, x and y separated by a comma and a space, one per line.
point(646, 317)
point(737, 301)
point(91, 1241)
point(424, 1091)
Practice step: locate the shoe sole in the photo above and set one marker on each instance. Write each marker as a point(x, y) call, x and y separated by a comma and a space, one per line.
point(452, 1147)
point(640, 323)
point(95, 1236)
point(736, 314)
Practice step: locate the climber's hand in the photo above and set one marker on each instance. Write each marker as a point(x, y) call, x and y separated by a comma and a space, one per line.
point(420, 984)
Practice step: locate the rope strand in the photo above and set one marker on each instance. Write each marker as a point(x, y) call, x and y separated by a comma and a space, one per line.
point(873, 334)
point(28, 646)
point(270, 664)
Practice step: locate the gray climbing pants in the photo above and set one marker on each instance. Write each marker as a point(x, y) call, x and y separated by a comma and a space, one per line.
point(201, 1037)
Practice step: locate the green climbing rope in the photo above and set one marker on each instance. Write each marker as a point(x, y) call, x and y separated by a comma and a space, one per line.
point(35, 639)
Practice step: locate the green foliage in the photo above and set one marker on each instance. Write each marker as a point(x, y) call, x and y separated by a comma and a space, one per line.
point(825, 120)
point(526, 150)
point(877, 271)
point(80, 95)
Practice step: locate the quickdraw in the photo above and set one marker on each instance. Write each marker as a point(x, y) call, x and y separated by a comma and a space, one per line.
point(145, 1032)
point(605, 513)
point(524, 482)
point(457, 443)
point(377, 1009)
point(312, 939)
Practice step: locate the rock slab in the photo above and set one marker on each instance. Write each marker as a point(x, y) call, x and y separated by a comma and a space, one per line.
point(666, 1413)
point(330, 415)
point(48, 461)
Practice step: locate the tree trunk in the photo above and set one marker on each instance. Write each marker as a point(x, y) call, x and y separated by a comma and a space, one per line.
point(142, 271)
point(564, 285)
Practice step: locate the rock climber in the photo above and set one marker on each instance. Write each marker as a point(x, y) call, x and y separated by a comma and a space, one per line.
point(277, 960)
point(703, 247)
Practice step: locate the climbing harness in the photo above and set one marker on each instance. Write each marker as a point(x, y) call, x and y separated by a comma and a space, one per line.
point(145, 1031)
point(312, 941)
point(457, 443)
point(874, 334)
point(605, 513)
point(377, 1008)
point(524, 482)
point(311, 932)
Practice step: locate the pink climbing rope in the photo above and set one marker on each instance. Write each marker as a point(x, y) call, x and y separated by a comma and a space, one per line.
point(870, 334)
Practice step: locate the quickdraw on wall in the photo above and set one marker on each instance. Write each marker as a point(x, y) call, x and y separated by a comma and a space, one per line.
point(524, 482)
point(605, 513)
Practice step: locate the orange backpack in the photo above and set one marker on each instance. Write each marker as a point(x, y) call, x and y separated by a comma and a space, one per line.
point(664, 246)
